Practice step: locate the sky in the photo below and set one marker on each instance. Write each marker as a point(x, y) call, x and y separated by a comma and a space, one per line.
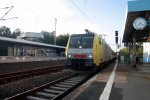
point(73, 16)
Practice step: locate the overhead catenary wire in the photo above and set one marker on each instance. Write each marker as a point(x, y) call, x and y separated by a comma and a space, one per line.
point(11, 7)
point(10, 18)
point(7, 7)
point(90, 9)
point(33, 11)
point(44, 17)
point(81, 11)
point(85, 11)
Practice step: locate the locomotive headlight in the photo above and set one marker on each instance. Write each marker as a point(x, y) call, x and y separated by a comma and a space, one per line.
point(69, 55)
point(90, 56)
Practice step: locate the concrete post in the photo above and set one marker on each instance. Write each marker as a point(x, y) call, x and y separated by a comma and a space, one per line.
point(134, 51)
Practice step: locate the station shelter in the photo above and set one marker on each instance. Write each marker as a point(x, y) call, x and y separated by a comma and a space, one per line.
point(20, 47)
point(26, 50)
point(137, 26)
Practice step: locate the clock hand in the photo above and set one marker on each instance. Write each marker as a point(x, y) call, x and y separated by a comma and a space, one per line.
point(141, 24)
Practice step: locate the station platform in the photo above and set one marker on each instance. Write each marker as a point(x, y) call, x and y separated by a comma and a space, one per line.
point(122, 83)
point(11, 59)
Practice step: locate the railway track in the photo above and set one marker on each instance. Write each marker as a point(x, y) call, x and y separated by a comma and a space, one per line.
point(10, 77)
point(55, 90)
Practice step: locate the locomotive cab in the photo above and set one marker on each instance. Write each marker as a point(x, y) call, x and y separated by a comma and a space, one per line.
point(79, 52)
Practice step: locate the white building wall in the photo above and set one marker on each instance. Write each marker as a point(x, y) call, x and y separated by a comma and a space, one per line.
point(146, 52)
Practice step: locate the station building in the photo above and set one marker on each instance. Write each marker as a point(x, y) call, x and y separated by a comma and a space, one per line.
point(29, 44)
point(18, 50)
point(32, 36)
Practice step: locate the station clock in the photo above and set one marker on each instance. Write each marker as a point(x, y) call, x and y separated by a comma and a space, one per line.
point(139, 23)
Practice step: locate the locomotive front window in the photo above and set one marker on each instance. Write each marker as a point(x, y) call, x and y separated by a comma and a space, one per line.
point(84, 41)
point(87, 41)
point(74, 41)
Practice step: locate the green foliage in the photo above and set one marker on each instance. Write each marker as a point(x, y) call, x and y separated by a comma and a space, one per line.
point(124, 52)
point(140, 52)
point(48, 37)
point(5, 31)
point(16, 33)
point(62, 39)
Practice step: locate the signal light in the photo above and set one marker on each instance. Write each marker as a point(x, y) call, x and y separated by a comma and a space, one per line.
point(116, 33)
point(116, 38)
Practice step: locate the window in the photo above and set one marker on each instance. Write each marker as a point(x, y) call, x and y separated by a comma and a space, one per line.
point(86, 41)
point(99, 41)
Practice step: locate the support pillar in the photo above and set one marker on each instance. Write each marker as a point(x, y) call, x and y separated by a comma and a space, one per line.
point(134, 51)
point(129, 52)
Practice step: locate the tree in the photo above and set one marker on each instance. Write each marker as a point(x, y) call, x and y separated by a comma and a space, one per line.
point(62, 39)
point(139, 51)
point(5, 31)
point(16, 33)
point(48, 37)
point(124, 51)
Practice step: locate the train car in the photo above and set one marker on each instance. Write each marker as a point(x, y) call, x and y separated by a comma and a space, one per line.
point(88, 50)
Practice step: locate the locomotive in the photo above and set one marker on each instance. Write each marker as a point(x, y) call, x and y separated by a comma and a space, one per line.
point(88, 50)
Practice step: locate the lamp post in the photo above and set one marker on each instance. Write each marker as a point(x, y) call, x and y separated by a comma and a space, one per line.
point(55, 32)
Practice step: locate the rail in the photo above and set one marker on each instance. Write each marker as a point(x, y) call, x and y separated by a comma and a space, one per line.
point(55, 90)
point(10, 77)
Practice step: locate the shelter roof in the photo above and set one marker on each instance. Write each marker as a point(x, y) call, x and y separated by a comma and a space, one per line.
point(139, 8)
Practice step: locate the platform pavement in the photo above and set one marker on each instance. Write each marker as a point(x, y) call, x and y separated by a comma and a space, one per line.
point(129, 84)
point(10, 59)
point(137, 86)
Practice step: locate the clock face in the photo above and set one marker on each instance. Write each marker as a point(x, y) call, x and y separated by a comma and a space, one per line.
point(139, 23)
